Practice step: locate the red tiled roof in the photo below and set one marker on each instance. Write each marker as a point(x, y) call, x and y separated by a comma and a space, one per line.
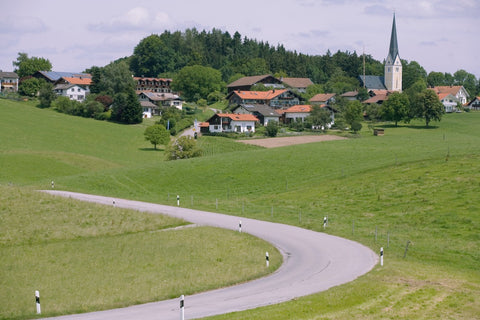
point(442, 96)
point(238, 117)
point(377, 98)
point(453, 90)
point(350, 94)
point(322, 97)
point(79, 81)
point(203, 124)
point(259, 95)
point(299, 108)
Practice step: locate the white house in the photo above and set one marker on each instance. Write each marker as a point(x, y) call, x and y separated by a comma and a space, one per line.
point(458, 92)
point(263, 112)
point(229, 122)
point(149, 109)
point(297, 113)
point(449, 101)
point(71, 91)
point(301, 112)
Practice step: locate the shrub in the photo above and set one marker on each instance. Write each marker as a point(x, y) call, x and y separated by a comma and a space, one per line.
point(356, 126)
point(183, 148)
point(271, 129)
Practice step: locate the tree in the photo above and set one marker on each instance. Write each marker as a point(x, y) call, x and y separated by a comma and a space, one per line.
point(435, 79)
point(26, 66)
point(157, 134)
point(183, 148)
point(152, 57)
point(116, 77)
point(412, 72)
point(271, 129)
point(319, 117)
point(126, 108)
point(352, 112)
point(46, 95)
point(396, 108)
point(195, 82)
point(467, 80)
point(30, 87)
point(96, 86)
point(426, 105)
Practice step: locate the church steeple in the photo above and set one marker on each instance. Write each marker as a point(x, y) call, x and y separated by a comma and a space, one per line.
point(393, 64)
point(393, 41)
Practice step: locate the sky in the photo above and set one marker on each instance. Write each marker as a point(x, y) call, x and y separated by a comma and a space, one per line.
point(441, 35)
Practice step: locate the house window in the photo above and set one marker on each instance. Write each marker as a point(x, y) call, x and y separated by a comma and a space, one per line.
point(397, 69)
point(249, 128)
point(389, 69)
point(215, 127)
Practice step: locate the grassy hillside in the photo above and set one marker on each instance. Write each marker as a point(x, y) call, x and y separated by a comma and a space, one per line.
point(414, 184)
point(84, 257)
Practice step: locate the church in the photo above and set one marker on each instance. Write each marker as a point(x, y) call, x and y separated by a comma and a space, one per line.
point(392, 79)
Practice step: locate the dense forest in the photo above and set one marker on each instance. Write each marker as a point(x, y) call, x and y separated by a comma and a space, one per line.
point(166, 54)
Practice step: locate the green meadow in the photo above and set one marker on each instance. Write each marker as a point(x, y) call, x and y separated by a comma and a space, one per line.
point(413, 192)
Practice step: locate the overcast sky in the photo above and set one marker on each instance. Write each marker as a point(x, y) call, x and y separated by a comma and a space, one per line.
point(441, 35)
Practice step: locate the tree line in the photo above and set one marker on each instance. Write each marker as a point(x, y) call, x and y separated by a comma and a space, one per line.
point(166, 54)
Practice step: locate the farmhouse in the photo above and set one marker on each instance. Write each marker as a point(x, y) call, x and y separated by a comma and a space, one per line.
point(263, 112)
point(458, 91)
point(297, 113)
point(273, 98)
point(350, 95)
point(229, 122)
point(323, 98)
point(71, 91)
point(246, 83)
point(474, 104)
point(165, 99)
point(378, 96)
point(449, 101)
point(54, 76)
point(299, 84)
point(8, 81)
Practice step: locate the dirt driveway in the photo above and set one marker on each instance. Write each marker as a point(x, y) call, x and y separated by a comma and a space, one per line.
point(287, 141)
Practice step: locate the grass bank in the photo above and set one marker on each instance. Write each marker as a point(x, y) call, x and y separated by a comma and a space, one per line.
point(85, 257)
point(414, 184)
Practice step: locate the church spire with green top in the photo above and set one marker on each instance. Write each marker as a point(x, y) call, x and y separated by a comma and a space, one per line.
point(393, 41)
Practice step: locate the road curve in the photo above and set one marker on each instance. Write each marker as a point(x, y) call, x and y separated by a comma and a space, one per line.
point(313, 262)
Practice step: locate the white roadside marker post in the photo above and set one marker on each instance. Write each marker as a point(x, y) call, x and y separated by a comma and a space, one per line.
point(381, 256)
point(37, 301)
point(324, 222)
point(178, 200)
point(240, 226)
point(267, 259)
point(53, 185)
point(182, 307)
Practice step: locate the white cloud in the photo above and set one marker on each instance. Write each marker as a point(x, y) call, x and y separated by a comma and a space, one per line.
point(136, 19)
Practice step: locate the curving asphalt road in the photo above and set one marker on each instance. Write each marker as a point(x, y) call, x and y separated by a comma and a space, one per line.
point(313, 262)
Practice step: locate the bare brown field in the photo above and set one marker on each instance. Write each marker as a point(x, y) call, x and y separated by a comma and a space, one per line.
point(287, 141)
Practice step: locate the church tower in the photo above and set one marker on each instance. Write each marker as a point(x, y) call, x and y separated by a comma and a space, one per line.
point(393, 65)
